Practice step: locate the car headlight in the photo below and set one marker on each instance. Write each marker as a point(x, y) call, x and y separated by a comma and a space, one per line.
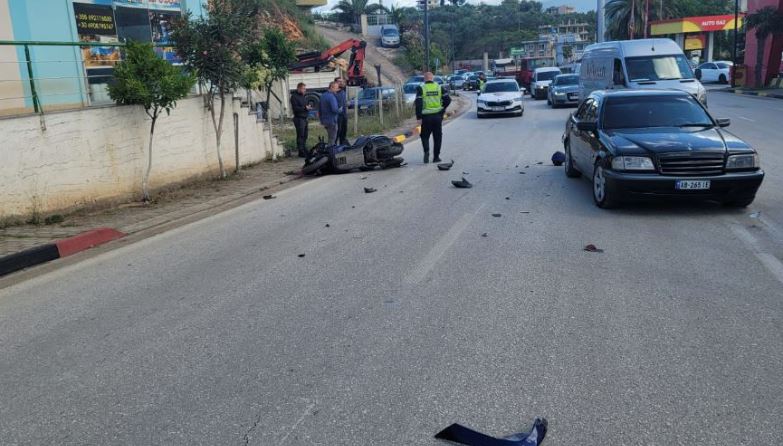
point(738, 162)
point(559, 93)
point(518, 99)
point(632, 163)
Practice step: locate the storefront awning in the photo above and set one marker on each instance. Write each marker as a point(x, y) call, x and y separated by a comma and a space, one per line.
point(694, 25)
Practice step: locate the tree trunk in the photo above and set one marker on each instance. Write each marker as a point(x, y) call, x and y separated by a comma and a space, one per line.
point(269, 120)
point(759, 60)
point(218, 125)
point(145, 182)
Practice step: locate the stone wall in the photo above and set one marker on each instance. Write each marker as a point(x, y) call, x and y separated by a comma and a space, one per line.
point(99, 154)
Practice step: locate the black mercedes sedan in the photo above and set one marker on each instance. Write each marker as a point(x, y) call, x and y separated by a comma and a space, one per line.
point(641, 144)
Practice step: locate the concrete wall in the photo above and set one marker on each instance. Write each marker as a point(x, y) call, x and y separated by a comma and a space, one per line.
point(99, 154)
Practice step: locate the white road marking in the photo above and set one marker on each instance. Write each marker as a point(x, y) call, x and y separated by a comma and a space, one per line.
point(747, 119)
point(772, 263)
point(306, 412)
point(444, 243)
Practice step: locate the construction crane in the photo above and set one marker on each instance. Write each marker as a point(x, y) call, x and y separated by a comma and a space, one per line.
point(318, 60)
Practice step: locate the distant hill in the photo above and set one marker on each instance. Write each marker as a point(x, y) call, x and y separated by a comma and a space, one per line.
point(580, 5)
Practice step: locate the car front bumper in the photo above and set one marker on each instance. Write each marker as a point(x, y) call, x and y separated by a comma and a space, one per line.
point(726, 187)
point(494, 111)
point(564, 100)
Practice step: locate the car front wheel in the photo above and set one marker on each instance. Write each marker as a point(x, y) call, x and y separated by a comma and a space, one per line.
point(601, 194)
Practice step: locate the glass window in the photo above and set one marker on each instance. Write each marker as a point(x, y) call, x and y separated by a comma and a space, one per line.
point(546, 75)
point(582, 112)
point(133, 24)
point(658, 68)
point(497, 87)
point(723, 65)
point(654, 111)
point(410, 88)
point(591, 112)
point(571, 79)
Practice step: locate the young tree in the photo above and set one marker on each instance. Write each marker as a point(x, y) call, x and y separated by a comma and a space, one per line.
point(351, 10)
point(766, 21)
point(212, 48)
point(145, 79)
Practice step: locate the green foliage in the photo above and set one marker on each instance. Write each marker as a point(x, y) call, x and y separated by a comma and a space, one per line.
point(765, 22)
point(145, 79)
point(348, 11)
point(269, 59)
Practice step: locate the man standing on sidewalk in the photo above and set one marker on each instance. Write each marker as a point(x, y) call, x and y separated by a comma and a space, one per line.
point(431, 104)
point(328, 111)
point(342, 118)
point(301, 110)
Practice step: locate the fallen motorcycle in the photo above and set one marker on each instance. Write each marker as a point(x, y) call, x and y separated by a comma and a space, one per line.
point(366, 153)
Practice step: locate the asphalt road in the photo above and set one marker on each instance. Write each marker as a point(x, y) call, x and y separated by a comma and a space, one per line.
point(402, 318)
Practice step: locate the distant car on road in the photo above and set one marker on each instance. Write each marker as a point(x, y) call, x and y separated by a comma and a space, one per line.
point(643, 144)
point(501, 96)
point(718, 71)
point(564, 90)
point(542, 78)
point(409, 90)
point(456, 81)
point(368, 98)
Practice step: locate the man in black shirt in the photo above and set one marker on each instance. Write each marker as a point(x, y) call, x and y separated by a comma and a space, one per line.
point(301, 110)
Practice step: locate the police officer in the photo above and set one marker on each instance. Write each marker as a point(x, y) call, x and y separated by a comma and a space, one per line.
point(482, 80)
point(431, 103)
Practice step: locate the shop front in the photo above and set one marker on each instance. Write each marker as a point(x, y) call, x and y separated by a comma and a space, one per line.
point(697, 36)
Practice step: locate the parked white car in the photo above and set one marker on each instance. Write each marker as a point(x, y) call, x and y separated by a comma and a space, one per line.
point(501, 96)
point(717, 71)
point(409, 90)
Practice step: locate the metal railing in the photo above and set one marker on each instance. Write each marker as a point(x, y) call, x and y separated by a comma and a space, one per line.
point(56, 79)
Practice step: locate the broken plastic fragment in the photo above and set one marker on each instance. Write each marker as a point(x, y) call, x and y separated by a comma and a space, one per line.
point(592, 248)
point(269, 197)
point(369, 190)
point(463, 435)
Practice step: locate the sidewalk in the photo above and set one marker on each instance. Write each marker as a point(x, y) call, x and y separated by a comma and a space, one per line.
point(776, 93)
point(168, 206)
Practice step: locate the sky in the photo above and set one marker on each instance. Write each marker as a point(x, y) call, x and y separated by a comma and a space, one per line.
point(580, 5)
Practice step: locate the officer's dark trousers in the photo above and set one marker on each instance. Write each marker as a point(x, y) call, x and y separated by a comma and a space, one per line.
point(432, 125)
point(301, 135)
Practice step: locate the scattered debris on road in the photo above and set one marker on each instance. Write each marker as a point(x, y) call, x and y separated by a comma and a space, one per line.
point(327, 226)
point(484, 234)
point(369, 190)
point(540, 162)
point(756, 214)
point(508, 198)
point(592, 248)
point(463, 435)
point(523, 173)
point(524, 212)
point(301, 255)
point(269, 197)
point(445, 166)
point(558, 158)
point(497, 215)
point(462, 184)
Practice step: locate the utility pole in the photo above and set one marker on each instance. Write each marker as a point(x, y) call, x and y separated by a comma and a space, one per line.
point(600, 21)
point(734, 50)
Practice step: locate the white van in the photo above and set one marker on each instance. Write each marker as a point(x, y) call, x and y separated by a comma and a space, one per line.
point(541, 80)
point(638, 64)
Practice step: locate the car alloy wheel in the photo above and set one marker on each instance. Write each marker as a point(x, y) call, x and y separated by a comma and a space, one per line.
point(722, 79)
point(601, 193)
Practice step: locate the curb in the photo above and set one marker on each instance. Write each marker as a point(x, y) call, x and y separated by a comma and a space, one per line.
point(763, 94)
point(56, 250)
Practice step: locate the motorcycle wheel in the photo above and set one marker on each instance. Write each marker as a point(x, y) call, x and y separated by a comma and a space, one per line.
point(389, 151)
point(313, 167)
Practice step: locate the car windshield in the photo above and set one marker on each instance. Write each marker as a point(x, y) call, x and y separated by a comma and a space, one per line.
point(546, 75)
point(567, 80)
point(416, 79)
point(410, 88)
point(390, 32)
point(498, 87)
point(658, 68)
point(654, 111)
point(372, 93)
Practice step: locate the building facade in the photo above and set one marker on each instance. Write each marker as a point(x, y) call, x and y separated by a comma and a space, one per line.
point(65, 76)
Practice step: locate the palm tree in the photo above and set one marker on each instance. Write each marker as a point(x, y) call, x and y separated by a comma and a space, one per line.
point(766, 21)
point(620, 20)
point(353, 9)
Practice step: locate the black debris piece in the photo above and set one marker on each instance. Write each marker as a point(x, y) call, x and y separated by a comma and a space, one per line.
point(269, 197)
point(592, 248)
point(523, 173)
point(445, 166)
point(327, 225)
point(540, 162)
point(462, 184)
point(558, 158)
point(524, 212)
point(527, 167)
point(369, 190)
point(497, 215)
point(465, 173)
point(292, 172)
point(463, 435)
point(301, 255)
point(484, 234)
point(508, 198)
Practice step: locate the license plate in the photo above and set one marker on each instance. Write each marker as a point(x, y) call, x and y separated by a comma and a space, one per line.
point(498, 108)
point(692, 184)
point(571, 96)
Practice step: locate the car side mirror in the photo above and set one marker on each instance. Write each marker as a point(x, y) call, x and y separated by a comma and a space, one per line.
point(723, 122)
point(586, 126)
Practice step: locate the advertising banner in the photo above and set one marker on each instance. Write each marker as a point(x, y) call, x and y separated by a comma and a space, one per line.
point(95, 23)
point(171, 5)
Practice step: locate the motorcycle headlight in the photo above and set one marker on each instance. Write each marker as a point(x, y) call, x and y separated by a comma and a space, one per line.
point(632, 163)
point(739, 162)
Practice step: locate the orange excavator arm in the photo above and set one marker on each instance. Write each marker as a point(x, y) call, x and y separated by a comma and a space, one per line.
point(318, 60)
